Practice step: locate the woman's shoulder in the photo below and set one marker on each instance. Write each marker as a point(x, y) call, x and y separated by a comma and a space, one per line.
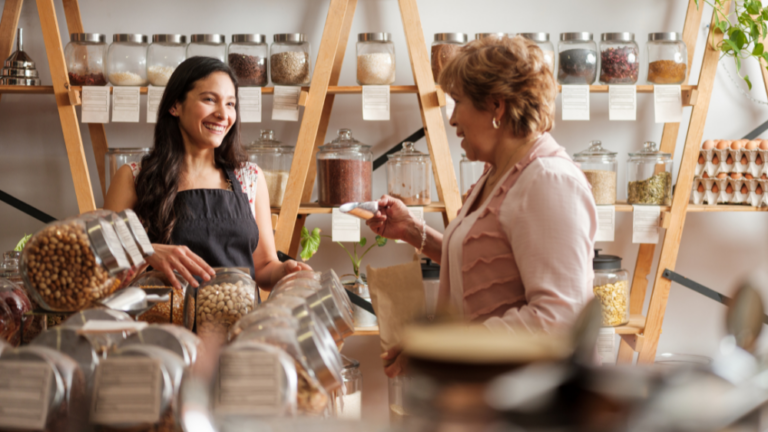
point(135, 169)
point(547, 171)
point(248, 169)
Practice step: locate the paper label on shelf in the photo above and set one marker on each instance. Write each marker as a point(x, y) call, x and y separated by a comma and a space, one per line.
point(285, 103)
point(249, 383)
point(25, 389)
point(575, 102)
point(344, 227)
point(645, 224)
point(154, 96)
point(95, 108)
point(127, 390)
point(450, 105)
point(250, 104)
point(606, 345)
point(668, 103)
point(376, 102)
point(622, 102)
point(418, 216)
point(104, 326)
point(125, 104)
point(606, 223)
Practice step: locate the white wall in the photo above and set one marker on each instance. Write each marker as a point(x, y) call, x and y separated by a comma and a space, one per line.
point(716, 250)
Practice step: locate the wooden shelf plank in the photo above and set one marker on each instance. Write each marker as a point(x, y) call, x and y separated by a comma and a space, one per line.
point(622, 206)
point(636, 325)
point(314, 208)
point(724, 208)
point(26, 89)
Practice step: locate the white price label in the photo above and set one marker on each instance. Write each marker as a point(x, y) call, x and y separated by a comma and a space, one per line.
point(645, 224)
point(622, 102)
point(127, 390)
point(154, 96)
point(668, 103)
point(376, 102)
point(285, 103)
point(125, 104)
point(250, 104)
point(606, 223)
point(606, 345)
point(575, 102)
point(344, 227)
point(249, 383)
point(95, 108)
point(25, 389)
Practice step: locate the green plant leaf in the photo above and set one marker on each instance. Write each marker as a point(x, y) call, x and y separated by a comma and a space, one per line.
point(310, 243)
point(753, 7)
point(363, 241)
point(749, 83)
point(739, 39)
point(758, 50)
point(765, 14)
point(754, 31)
point(738, 64)
point(722, 25)
point(381, 241)
point(23, 242)
point(765, 57)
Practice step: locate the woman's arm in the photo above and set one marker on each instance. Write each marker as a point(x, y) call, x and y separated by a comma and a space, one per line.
point(122, 191)
point(394, 221)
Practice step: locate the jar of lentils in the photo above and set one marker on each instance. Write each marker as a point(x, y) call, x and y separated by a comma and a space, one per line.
point(290, 60)
point(375, 59)
point(208, 45)
point(127, 60)
point(166, 52)
point(248, 59)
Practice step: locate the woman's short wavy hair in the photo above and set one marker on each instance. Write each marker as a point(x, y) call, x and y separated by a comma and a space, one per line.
point(511, 69)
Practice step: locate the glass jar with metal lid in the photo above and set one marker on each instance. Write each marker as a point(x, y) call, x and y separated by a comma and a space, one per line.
point(375, 59)
point(542, 40)
point(85, 55)
point(611, 288)
point(344, 168)
point(117, 157)
point(667, 58)
point(290, 60)
point(208, 45)
point(649, 173)
point(166, 52)
point(275, 160)
point(127, 60)
point(445, 47)
point(577, 62)
point(348, 399)
point(600, 166)
point(497, 35)
point(409, 176)
point(248, 59)
point(619, 58)
point(469, 173)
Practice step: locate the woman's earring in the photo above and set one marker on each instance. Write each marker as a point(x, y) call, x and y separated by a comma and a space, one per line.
point(495, 123)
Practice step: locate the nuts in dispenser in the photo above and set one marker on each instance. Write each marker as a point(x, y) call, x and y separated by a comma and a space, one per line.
point(224, 300)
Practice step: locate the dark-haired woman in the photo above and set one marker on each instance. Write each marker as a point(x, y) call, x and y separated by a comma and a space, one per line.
point(197, 195)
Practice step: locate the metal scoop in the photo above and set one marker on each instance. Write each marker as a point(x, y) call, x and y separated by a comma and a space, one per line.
point(136, 301)
point(363, 210)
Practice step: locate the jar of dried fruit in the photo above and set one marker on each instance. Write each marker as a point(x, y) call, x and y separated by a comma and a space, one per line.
point(619, 59)
point(222, 301)
point(577, 62)
point(344, 168)
point(117, 157)
point(208, 45)
point(611, 287)
point(444, 49)
point(542, 40)
point(275, 160)
point(127, 60)
point(409, 176)
point(649, 176)
point(375, 59)
point(290, 61)
point(600, 166)
point(248, 59)
point(166, 52)
point(85, 54)
point(667, 58)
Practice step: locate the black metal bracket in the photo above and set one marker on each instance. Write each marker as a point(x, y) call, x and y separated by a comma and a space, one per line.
point(26, 208)
point(757, 131)
point(382, 160)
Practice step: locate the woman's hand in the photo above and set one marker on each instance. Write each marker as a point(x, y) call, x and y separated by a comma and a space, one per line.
point(168, 258)
point(393, 220)
point(396, 362)
point(287, 268)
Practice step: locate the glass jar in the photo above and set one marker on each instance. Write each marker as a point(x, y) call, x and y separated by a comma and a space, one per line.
point(275, 161)
point(290, 60)
point(375, 59)
point(649, 173)
point(667, 58)
point(619, 58)
point(542, 40)
point(578, 59)
point(409, 176)
point(77, 347)
point(208, 45)
point(332, 312)
point(171, 311)
point(222, 301)
point(127, 60)
point(497, 35)
point(166, 52)
point(348, 400)
point(248, 59)
point(430, 275)
point(265, 314)
point(469, 173)
point(344, 168)
point(600, 166)
point(611, 287)
point(102, 342)
point(362, 318)
point(19, 305)
point(85, 54)
point(9, 327)
point(9, 267)
point(445, 47)
point(178, 340)
point(117, 157)
point(397, 387)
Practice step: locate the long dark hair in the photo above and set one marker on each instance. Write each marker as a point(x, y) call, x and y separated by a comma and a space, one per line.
point(158, 181)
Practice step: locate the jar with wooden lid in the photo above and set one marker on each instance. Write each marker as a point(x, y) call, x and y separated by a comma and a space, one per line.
point(600, 166)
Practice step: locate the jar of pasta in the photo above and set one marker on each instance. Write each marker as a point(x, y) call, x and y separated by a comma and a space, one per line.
point(611, 287)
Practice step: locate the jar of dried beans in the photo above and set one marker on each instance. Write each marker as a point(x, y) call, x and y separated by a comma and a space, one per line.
point(578, 59)
point(619, 59)
point(649, 173)
point(611, 288)
point(208, 45)
point(667, 58)
point(247, 56)
point(444, 49)
point(344, 168)
point(542, 40)
point(166, 52)
point(85, 56)
point(600, 167)
point(275, 160)
point(375, 59)
point(127, 60)
point(290, 60)
point(409, 176)
point(117, 157)
point(222, 301)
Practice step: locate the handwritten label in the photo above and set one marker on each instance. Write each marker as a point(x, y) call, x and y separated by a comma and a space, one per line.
point(127, 390)
point(344, 227)
point(126, 239)
point(575, 102)
point(606, 223)
point(668, 103)
point(25, 390)
point(285, 103)
point(154, 96)
point(95, 107)
point(249, 383)
point(606, 345)
point(125, 104)
point(376, 102)
point(250, 104)
point(622, 102)
point(645, 224)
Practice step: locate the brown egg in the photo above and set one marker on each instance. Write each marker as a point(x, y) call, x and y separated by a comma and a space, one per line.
point(763, 144)
point(737, 145)
point(748, 176)
point(752, 145)
point(744, 160)
point(715, 160)
point(705, 175)
point(736, 176)
point(722, 175)
point(701, 160)
point(744, 189)
point(759, 160)
point(715, 189)
point(729, 160)
point(708, 145)
point(759, 190)
point(728, 189)
point(723, 144)
point(700, 188)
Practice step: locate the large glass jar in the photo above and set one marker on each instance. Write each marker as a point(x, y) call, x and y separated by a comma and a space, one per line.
point(649, 173)
point(358, 285)
point(409, 176)
point(19, 305)
point(600, 166)
point(248, 59)
point(176, 339)
point(9, 267)
point(667, 58)
point(375, 59)
point(275, 160)
point(469, 173)
point(348, 400)
point(611, 288)
point(171, 311)
point(619, 58)
point(290, 60)
point(344, 168)
point(85, 54)
point(578, 59)
point(445, 47)
point(497, 35)
point(222, 301)
point(127, 60)
point(208, 45)
point(542, 40)
point(166, 52)
point(117, 157)
point(9, 330)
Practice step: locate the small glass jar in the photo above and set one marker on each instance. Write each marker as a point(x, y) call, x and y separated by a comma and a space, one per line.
point(117, 157)
point(667, 58)
point(397, 388)
point(275, 161)
point(166, 52)
point(375, 59)
point(208, 45)
point(9, 267)
point(649, 173)
point(18, 303)
point(577, 62)
point(469, 173)
point(248, 59)
point(290, 60)
point(171, 311)
point(85, 54)
point(127, 60)
point(222, 301)
point(67, 341)
point(619, 58)
point(409, 176)
point(611, 288)
point(348, 401)
point(600, 166)
point(344, 168)
point(445, 47)
point(542, 40)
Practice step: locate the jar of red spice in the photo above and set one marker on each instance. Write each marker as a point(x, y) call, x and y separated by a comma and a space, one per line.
point(667, 58)
point(619, 59)
point(85, 54)
point(344, 168)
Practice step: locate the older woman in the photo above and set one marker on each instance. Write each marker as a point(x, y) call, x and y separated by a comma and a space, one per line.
point(519, 254)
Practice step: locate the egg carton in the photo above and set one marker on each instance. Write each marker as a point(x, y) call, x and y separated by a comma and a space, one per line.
point(716, 161)
point(714, 191)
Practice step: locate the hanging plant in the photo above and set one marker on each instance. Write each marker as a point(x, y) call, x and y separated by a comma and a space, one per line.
point(310, 243)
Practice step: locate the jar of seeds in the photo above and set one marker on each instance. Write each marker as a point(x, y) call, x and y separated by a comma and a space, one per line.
point(290, 60)
point(344, 168)
point(600, 167)
point(166, 52)
point(208, 45)
point(649, 173)
point(578, 59)
point(667, 58)
point(375, 59)
point(248, 59)
point(445, 47)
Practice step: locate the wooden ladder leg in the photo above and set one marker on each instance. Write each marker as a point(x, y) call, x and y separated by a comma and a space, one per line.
point(8, 25)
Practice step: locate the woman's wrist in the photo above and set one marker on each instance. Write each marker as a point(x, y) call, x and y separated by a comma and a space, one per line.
point(414, 232)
